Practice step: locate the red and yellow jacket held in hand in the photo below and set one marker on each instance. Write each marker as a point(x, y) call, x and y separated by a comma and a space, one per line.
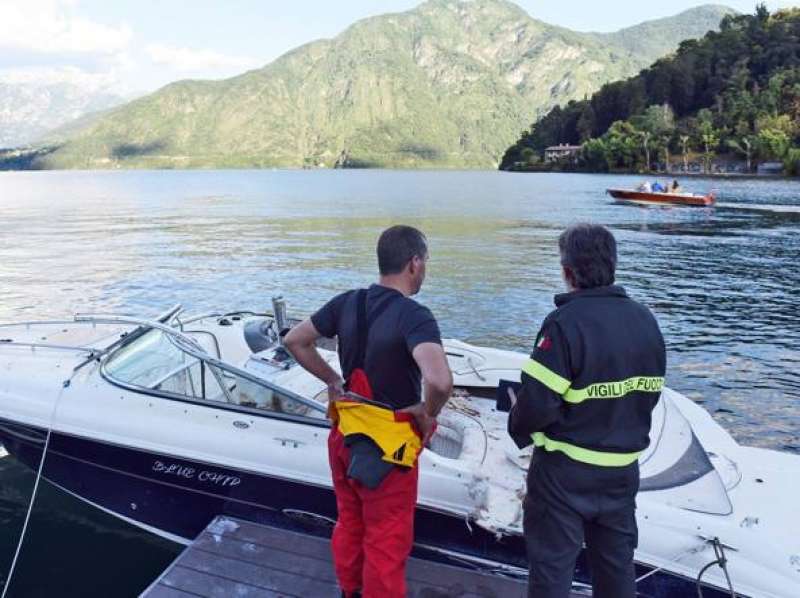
point(393, 432)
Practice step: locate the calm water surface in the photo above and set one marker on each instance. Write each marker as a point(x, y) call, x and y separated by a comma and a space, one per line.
point(722, 282)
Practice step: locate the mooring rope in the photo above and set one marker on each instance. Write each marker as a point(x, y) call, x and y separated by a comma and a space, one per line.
point(64, 386)
point(693, 550)
point(722, 561)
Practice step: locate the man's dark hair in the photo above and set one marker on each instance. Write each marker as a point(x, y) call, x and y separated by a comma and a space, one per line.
point(589, 251)
point(397, 246)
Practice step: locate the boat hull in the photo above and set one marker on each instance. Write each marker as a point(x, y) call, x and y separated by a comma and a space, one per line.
point(667, 199)
point(177, 498)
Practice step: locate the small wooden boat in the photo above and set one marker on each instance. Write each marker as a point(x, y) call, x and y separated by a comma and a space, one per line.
point(655, 198)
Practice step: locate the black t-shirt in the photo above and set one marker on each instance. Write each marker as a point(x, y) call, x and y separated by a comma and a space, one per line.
point(400, 326)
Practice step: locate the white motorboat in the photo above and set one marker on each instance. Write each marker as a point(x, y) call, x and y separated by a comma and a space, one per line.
point(167, 423)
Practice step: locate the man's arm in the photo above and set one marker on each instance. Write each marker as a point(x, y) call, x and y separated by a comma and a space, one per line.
point(536, 408)
point(301, 343)
point(545, 378)
point(436, 374)
point(438, 384)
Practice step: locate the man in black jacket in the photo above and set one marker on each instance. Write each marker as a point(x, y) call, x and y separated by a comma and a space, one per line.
point(588, 392)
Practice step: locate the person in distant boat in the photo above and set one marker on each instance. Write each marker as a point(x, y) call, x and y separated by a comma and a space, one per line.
point(586, 399)
point(658, 188)
point(644, 187)
point(676, 188)
point(388, 344)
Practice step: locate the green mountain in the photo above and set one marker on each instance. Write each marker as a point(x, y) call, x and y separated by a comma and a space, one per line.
point(735, 93)
point(448, 84)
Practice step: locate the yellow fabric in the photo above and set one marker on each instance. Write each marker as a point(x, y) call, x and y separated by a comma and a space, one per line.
point(399, 442)
point(615, 390)
point(546, 376)
point(577, 453)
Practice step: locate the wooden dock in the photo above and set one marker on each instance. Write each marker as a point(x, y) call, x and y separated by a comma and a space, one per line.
point(238, 558)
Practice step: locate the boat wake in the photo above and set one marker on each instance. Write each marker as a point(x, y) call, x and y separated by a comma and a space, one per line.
point(778, 209)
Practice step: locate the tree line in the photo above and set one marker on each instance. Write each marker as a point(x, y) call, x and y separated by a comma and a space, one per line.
point(734, 92)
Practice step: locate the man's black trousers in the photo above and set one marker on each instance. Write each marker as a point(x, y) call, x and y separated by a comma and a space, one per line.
point(569, 503)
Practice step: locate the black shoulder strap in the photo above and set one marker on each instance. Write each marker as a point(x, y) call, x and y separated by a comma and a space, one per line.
point(363, 324)
point(361, 328)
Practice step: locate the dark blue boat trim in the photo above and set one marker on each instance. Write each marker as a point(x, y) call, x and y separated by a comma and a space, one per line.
point(181, 497)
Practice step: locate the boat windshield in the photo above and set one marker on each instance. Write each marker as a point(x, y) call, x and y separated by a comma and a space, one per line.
point(155, 361)
point(159, 362)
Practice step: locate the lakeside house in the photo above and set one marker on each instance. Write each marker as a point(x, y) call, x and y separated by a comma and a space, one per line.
point(771, 168)
point(723, 166)
point(563, 151)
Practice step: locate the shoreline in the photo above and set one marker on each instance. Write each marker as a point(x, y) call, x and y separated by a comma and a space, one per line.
point(671, 175)
point(697, 175)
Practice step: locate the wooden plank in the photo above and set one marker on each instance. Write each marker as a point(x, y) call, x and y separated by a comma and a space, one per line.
point(265, 576)
point(293, 556)
point(274, 558)
point(258, 544)
point(307, 547)
point(264, 535)
point(159, 591)
point(233, 557)
point(423, 576)
point(213, 586)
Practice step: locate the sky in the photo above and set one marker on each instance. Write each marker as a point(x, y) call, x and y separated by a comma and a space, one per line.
point(135, 46)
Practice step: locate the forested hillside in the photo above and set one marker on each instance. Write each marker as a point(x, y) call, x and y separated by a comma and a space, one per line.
point(447, 84)
point(734, 92)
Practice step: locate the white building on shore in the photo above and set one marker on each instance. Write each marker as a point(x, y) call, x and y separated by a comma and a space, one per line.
point(555, 153)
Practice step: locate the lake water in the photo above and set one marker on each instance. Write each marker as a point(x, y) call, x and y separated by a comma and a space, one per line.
point(723, 283)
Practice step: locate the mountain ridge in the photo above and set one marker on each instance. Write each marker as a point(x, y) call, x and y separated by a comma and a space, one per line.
point(29, 110)
point(447, 84)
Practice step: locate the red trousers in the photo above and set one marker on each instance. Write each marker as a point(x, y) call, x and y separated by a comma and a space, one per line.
point(374, 529)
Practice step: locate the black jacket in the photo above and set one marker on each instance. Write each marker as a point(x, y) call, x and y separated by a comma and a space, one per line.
point(594, 376)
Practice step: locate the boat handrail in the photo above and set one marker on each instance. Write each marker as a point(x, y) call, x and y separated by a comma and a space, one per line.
point(195, 350)
point(219, 314)
point(162, 317)
point(94, 352)
point(12, 343)
point(29, 323)
point(193, 319)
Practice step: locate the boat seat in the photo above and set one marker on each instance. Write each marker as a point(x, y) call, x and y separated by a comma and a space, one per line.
point(447, 442)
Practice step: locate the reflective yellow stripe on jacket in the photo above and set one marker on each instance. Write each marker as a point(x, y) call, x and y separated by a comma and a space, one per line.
point(600, 390)
point(577, 453)
point(615, 390)
point(546, 376)
point(397, 439)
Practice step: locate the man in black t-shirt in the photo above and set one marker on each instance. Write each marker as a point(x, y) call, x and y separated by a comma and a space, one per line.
point(388, 344)
point(397, 325)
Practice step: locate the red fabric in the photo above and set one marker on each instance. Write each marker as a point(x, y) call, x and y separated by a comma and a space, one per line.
point(374, 530)
point(359, 383)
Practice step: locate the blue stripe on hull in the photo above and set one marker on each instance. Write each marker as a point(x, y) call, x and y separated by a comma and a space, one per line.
point(181, 497)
